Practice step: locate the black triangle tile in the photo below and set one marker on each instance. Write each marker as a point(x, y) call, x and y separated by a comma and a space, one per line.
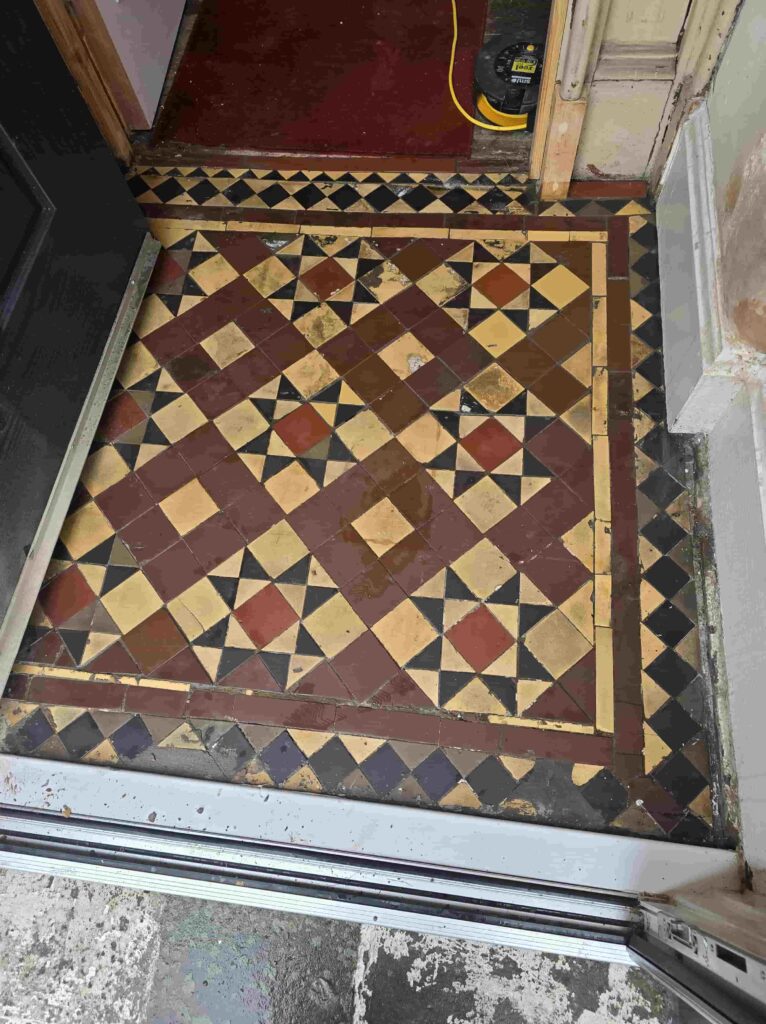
point(115, 575)
point(433, 609)
point(278, 665)
point(429, 658)
point(98, 555)
point(153, 434)
point(510, 485)
point(306, 644)
point(450, 421)
point(451, 683)
point(531, 614)
point(231, 658)
point(74, 641)
point(274, 464)
point(215, 636)
point(465, 480)
point(455, 589)
point(532, 466)
point(528, 667)
point(502, 688)
point(298, 573)
point(316, 468)
point(129, 452)
point(508, 593)
point(446, 460)
point(315, 598)
point(251, 568)
point(288, 392)
point(226, 587)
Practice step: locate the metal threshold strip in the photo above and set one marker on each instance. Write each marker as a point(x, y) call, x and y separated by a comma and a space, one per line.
point(463, 876)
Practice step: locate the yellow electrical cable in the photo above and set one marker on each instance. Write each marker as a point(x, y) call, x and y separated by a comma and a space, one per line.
point(455, 100)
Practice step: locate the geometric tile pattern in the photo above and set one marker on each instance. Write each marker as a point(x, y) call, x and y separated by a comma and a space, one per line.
point(339, 531)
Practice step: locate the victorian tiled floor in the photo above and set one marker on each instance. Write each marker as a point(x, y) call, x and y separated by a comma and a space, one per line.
point(362, 518)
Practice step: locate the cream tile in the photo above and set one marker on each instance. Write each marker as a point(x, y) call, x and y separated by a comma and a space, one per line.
point(484, 569)
point(494, 387)
point(268, 277)
point(189, 506)
point(382, 527)
point(560, 286)
point(85, 529)
point(406, 355)
point(132, 602)
point(311, 374)
point(426, 438)
point(226, 345)
point(153, 314)
point(179, 418)
point(442, 284)
point(556, 643)
point(497, 334)
point(198, 608)
point(319, 325)
point(334, 625)
point(291, 487)
point(485, 504)
point(364, 434)
point(214, 274)
point(385, 281)
point(404, 632)
point(103, 468)
point(278, 548)
point(137, 363)
point(241, 424)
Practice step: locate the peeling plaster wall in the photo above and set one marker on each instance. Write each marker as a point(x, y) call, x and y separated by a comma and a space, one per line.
point(738, 129)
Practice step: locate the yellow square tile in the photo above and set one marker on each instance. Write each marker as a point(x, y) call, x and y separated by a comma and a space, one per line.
point(311, 374)
point(406, 355)
point(404, 632)
point(364, 434)
point(494, 387)
point(268, 277)
point(132, 602)
point(385, 281)
point(485, 504)
point(137, 363)
point(213, 274)
point(291, 487)
point(103, 468)
point(85, 529)
point(198, 608)
point(189, 506)
point(426, 438)
point(442, 284)
point(497, 334)
point(484, 569)
point(227, 345)
point(241, 424)
point(319, 325)
point(179, 418)
point(278, 548)
point(153, 314)
point(382, 527)
point(334, 625)
point(556, 643)
point(560, 286)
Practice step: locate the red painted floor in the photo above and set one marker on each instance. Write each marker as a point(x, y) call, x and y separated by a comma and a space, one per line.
point(366, 78)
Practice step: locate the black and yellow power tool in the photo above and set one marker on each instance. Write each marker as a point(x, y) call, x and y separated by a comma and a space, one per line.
point(507, 82)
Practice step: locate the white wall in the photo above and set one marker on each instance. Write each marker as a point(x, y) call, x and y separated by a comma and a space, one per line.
point(143, 33)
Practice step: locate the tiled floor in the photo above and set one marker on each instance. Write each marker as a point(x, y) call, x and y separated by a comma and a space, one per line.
point(362, 514)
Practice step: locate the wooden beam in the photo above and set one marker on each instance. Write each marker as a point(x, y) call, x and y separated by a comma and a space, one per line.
point(567, 119)
point(92, 87)
point(553, 43)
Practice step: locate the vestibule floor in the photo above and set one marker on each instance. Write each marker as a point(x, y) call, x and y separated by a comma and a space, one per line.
point(382, 506)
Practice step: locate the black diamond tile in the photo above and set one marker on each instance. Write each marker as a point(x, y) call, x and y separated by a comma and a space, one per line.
point(491, 782)
point(233, 749)
point(671, 672)
point(692, 830)
point(381, 198)
point(384, 769)
point(308, 196)
point(132, 738)
point(332, 764)
point(663, 532)
point(437, 775)
point(344, 197)
point(666, 576)
point(673, 725)
point(668, 623)
point(680, 778)
point(202, 191)
point(282, 757)
point(605, 794)
point(168, 190)
point(418, 198)
point(35, 730)
point(273, 195)
point(661, 488)
point(81, 735)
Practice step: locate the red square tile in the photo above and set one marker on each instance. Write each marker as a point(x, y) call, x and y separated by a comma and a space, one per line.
point(124, 501)
point(490, 444)
point(155, 641)
point(121, 414)
point(164, 473)
point(326, 278)
point(149, 535)
point(203, 448)
point(65, 595)
point(265, 616)
point(501, 285)
point(228, 481)
point(302, 429)
point(480, 638)
point(364, 666)
point(213, 541)
point(191, 367)
point(261, 321)
point(373, 594)
point(172, 572)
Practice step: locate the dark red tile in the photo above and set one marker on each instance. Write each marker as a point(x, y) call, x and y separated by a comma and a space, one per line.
point(433, 381)
point(216, 395)
point(165, 473)
point(556, 704)
point(345, 556)
point(211, 704)
point(106, 696)
point(354, 493)
point(525, 362)
point(254, 513)
point(121, 414)
point(16, 687)
point(265, 616)
point(580, 683)
point(618, 247)
point(556, 508)
point(243, 249)
point(184, 667)
point(114, 659)
point(451, 534)
point(559, 746)
point(44, 651)
point(148, 700)
point(398, 408)
point(251, 674)
point(168, 341)
point(501, 285)
point(345, 351)
point(251, 371)
point(174, 571)
point(607, 190)
point(400, 692)
point(149, 535)
point(480, 638)
point(373, 594)
point(326, 278)
point(465, 357)
point(191, 367)
point(228, 481)
point(556, 572)
point(379, 327)
point(261, 321)
point(628, 728)
point(618, 325)
point(285, 347)
point(223, 306)
point(407, 726)
point(390, 466)
point(364, 666)
point(289, 713)
point(420, 499)
point(417, 260)
point(559, 448)
point(411, 306)
point(371, 379)
point(213, 541)
point(491, 444)
point(124, 501)
point(437, 331)
point(316, 520)
point(154, 641)
point(558, 389)
point(412, 562)
point(166, 271)
point(520, 536)
point(557, 338)
point(301, 429)
point(321, 681)
point(203, 448)
point(66, 595)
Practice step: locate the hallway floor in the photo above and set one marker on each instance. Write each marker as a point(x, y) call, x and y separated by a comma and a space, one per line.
point(382, 506)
